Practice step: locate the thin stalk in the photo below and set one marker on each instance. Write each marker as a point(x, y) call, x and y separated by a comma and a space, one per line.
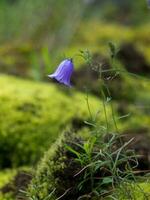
point(105, 111)
point(88, 106)
point(112, 109)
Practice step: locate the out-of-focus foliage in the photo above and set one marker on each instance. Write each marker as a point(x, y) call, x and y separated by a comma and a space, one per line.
point(94, 35)
point(40, 20)
point(26, 60)
point(46, 31)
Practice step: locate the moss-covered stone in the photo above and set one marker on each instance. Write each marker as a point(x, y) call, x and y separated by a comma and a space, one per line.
point(56, 171)
point(54, 176)
point(33, 114)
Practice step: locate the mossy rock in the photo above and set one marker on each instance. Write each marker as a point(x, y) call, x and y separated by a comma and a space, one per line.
point(55, 171)
point(32, 115)
point(55, 176)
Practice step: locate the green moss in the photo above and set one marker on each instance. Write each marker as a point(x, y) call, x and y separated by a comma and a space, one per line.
point(136, 89)
point(5, 177)
point(12, 181)
point(48, 172)
point(138, 191)
point(6, 197)
point(33, 114)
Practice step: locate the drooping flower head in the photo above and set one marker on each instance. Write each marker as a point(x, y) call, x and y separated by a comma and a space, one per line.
point(148, 2)
point(63, 72)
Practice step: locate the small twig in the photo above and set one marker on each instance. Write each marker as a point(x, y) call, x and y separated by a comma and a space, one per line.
point(87, 195)
point(140, 171)
point(64, 193)
point(81, 170)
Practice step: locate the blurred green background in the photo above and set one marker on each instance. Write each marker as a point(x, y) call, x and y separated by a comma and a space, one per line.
point(35, 36)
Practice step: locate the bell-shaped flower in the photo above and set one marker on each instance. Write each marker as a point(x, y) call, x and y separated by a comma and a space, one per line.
point(148, 2)
point(63, 72)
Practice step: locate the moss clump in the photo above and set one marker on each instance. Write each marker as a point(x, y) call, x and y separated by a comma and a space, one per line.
point(55, 173)
point(31, 116)
point(138, 191)
point(5, 177)
point(6, 197)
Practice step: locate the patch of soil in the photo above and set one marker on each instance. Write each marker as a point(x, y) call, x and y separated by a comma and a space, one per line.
point(133, 60)
point(78, 124)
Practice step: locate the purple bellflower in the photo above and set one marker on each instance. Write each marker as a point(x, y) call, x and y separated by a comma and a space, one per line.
point(63, 72)
point(148, 2)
